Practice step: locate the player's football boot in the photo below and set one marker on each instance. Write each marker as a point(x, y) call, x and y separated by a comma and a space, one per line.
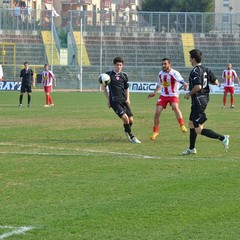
point(135, 140)
point(20, 105)
point(183, 129)
point(223, 107)
point(154, 135)
point(225, 142)
point(46, 106)
point(232, 106)
point(189, 151)
point(128, 137)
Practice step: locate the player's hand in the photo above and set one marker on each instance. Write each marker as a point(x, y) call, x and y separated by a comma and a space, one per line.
point(128, 102)
point(185, 86)
point(187, 95)
point(151, 95)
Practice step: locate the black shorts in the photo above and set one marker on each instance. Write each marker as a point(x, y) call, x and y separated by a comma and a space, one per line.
point(26, 88)
point(198, 115)
point(120, 108)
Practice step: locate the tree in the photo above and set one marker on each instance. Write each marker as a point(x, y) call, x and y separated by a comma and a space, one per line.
point(178, 6)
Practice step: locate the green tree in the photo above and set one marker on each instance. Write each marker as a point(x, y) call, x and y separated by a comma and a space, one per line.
point(178, 6)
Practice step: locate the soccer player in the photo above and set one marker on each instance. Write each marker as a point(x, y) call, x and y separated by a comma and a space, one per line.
point(228, 76)
point(118, 97)
point(27, 79)
point(47, 80)
point(169, 83)
point(199, 80)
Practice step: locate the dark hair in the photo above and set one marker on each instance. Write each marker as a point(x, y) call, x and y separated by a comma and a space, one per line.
point(166, 59)
point(25, 63)
point(46, 64)
point(196, 54)
point(118, 59)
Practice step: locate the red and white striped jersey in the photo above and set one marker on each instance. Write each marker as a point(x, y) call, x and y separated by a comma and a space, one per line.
point(47, 78)
point(229, 76)
point(170, 82)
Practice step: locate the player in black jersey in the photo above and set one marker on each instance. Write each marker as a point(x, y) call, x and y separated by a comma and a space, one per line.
point(199, 80)
point(27, 79)
point(118, 97)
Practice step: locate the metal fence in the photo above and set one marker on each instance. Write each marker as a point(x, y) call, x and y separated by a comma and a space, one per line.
point(180, 22)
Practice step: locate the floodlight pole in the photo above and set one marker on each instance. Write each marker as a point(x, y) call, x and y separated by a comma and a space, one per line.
point(101, 47)
point(81, 56)
point(52, 37)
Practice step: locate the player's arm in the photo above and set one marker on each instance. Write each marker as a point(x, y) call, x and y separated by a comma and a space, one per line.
point(128, 96)
point(55, 81)
point(196, 89)
point(104, 89)
point(157, 89)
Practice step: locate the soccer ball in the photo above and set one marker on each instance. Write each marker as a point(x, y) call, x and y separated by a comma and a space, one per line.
point(104, 79)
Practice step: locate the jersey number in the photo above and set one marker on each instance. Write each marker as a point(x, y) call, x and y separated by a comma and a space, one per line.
point(205, 80)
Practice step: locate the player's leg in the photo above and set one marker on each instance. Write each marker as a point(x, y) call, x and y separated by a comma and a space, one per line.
point(22, 91)
point(47, 95)
point(156, 121)
point(224, 98)
point(29, 93)
point(179, 117)
point(192, 140)
point(232, 97)
point(127, 124)
point(198, 125)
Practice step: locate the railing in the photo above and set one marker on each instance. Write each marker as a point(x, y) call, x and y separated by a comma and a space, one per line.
point(123, 21)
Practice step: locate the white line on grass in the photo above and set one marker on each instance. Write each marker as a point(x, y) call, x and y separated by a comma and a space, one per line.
point(15, 231)
point(91, 152)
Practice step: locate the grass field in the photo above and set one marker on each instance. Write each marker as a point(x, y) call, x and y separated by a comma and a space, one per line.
point(67, 172)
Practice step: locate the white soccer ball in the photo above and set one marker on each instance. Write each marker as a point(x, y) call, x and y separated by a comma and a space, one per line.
point(104, 79)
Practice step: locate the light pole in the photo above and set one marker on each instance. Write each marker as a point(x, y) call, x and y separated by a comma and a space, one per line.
point(52, 36)
point(230, 10)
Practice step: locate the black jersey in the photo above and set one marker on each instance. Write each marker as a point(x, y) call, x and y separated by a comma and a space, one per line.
point(117, 87)
point(201, 75)
point(27, 76)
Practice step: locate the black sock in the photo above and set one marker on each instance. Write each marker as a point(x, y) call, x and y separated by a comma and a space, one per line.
point(193, 137)
point(211, 134)
point(29, 99)
point(20, 99)
point(127, 129)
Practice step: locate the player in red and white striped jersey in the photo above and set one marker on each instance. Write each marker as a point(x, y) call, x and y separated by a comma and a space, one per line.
point(169, 84)
point(229, 76)
point(47, 80)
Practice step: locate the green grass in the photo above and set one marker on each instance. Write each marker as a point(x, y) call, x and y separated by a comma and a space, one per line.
point(69, 172)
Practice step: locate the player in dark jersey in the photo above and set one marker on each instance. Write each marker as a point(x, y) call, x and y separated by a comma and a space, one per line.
point(199, 80)
point(118, 97)
point(27, 79)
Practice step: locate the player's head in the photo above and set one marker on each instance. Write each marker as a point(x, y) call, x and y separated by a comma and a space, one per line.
point(118, 64)
point(195, 56)
point(229, 66)
point(46, 66)
point(166, 64)
point(26, 64)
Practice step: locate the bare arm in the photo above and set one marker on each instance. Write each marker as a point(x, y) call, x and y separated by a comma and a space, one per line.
point(128, 96)
point(104, 89)
point(158, 88)
point(195, 90)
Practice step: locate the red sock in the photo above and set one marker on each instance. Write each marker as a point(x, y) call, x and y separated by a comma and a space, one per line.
point(46, 99)
point(50, 99)
point(156, 129)
point(181, 122)
point(224, 101)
